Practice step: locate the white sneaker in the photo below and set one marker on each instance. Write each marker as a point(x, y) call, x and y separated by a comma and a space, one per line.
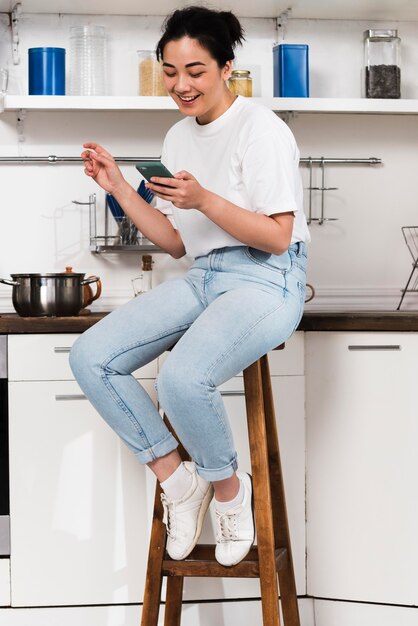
point(184, 517)
point(235, 528)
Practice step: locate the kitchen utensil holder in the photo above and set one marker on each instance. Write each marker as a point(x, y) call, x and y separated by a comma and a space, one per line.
point(410, 235)
point(113, 238)
point(322, 161)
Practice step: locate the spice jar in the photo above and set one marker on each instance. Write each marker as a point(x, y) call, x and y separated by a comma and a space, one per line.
point(382, 64)
point(240, 83)
point(150, 75)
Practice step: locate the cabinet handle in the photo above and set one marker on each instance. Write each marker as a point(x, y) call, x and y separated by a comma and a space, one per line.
point(377, 347)
point(62, 349)
point(73, 396)
point(233, 393)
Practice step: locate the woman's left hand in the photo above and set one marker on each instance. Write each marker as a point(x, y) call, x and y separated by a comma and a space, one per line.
point(183, 190)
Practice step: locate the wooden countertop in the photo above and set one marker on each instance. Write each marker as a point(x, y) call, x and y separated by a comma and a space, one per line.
point(12, 324)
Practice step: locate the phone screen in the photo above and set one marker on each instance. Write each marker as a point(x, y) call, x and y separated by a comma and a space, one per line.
point(148, 169)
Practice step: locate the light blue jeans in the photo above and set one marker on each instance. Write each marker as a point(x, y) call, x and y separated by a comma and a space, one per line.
point(231, 307)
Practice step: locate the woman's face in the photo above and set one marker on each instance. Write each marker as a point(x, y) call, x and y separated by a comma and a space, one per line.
point(195, 81)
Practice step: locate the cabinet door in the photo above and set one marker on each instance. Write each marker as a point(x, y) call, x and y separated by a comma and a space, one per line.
point(45, 357)
point(362, 466)
point(80, 502)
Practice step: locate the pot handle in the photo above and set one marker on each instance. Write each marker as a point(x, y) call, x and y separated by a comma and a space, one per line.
point(89, 296)
point(311, 296)
point(13, 283)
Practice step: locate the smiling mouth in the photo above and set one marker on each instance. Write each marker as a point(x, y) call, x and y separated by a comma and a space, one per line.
point(187, 98)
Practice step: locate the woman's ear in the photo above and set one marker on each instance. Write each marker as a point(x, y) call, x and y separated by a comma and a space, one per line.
point(226, 72)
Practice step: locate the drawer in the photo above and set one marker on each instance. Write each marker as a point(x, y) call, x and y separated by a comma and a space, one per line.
point(287, 362)
point(45, 357)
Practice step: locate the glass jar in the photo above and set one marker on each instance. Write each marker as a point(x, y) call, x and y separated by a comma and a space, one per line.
point(240, 83)
point(88, 59)
point(382, 64)
point(143, 283)
point(150, 75)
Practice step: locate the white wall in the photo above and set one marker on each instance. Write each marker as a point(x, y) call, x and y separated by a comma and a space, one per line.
point(359, 261)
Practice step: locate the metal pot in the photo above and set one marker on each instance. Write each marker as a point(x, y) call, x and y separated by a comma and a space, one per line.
point(50, 295)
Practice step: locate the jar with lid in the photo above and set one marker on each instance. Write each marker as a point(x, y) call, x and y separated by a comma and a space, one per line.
point(88, 61)
point(150, 75)
point(382, 64)
point(240, 83)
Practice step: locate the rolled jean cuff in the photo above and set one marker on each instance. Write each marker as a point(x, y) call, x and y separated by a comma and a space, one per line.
point(161, 448)
point(219, 473)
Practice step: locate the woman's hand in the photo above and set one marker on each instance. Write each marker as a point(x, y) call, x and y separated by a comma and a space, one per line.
point(183, 190)
point(101, 167)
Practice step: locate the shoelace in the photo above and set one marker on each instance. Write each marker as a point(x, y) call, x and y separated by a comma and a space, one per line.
point(169, 516)
point(227, 527)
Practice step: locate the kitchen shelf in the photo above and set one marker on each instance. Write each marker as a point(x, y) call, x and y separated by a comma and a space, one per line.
point(301, 9)
point(106, 244)
point(165, 103)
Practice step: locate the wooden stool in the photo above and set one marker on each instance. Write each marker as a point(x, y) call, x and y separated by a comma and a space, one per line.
point(271, 556)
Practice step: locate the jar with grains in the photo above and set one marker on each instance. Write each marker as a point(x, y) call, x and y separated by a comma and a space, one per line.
point(150, 75)
point(240, 83)
point(382, 63)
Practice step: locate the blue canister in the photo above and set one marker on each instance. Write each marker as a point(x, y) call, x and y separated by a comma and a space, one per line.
point(291, 70)
point(46, 71)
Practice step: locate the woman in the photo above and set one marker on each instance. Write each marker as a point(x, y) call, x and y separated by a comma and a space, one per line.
point(235, 206)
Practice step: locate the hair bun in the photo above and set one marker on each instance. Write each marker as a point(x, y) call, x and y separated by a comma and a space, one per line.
point(234, 27)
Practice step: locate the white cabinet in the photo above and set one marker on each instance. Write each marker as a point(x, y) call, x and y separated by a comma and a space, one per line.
point(362, 466)
point(80, 503)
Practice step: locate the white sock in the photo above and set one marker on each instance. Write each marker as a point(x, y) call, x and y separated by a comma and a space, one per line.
point(222, 507)
point(178, 484)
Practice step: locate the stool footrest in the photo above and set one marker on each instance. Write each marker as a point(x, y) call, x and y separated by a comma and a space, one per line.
point(202, 562)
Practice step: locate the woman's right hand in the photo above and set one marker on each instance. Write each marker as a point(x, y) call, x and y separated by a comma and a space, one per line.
point(101, 167)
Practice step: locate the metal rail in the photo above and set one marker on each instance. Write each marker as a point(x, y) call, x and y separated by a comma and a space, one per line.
point(320, 160)
point(52, 159)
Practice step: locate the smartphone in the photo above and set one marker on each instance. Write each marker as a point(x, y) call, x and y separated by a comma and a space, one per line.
point(153, 168)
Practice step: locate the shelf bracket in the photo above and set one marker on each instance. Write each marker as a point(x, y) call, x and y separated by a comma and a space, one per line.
point(281, 24)
point(287, 116)
point(15, 19)
point(20, 125)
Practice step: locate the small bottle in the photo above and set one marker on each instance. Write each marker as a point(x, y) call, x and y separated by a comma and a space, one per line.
point(382, 64)
point(240, 83)
point(143, 283)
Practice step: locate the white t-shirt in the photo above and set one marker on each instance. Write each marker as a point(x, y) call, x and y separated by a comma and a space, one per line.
point(248, 156)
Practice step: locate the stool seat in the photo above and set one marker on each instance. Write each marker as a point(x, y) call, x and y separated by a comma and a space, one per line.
point(270, 559)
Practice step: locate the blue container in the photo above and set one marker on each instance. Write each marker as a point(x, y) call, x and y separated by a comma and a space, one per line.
point(291, 70)
point(46, 71)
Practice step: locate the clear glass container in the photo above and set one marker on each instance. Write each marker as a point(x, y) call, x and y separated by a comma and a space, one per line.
point(382, 64)
point(88, 61)
point(143, 283)
point(150, 75)
point(240, 83)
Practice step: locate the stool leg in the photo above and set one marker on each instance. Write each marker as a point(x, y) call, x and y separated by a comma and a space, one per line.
point(262, 496)
point(172, 615)
point(287, 584)
point(154, 579)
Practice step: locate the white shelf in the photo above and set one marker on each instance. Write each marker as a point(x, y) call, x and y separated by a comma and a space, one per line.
point(138, 103)
point(394, 10)
point(89, 103)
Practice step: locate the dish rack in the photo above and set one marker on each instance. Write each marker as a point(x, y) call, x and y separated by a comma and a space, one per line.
point(410, 234)
point(107, 235)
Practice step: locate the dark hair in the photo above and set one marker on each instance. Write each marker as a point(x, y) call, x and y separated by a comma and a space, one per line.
point(218, 32)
